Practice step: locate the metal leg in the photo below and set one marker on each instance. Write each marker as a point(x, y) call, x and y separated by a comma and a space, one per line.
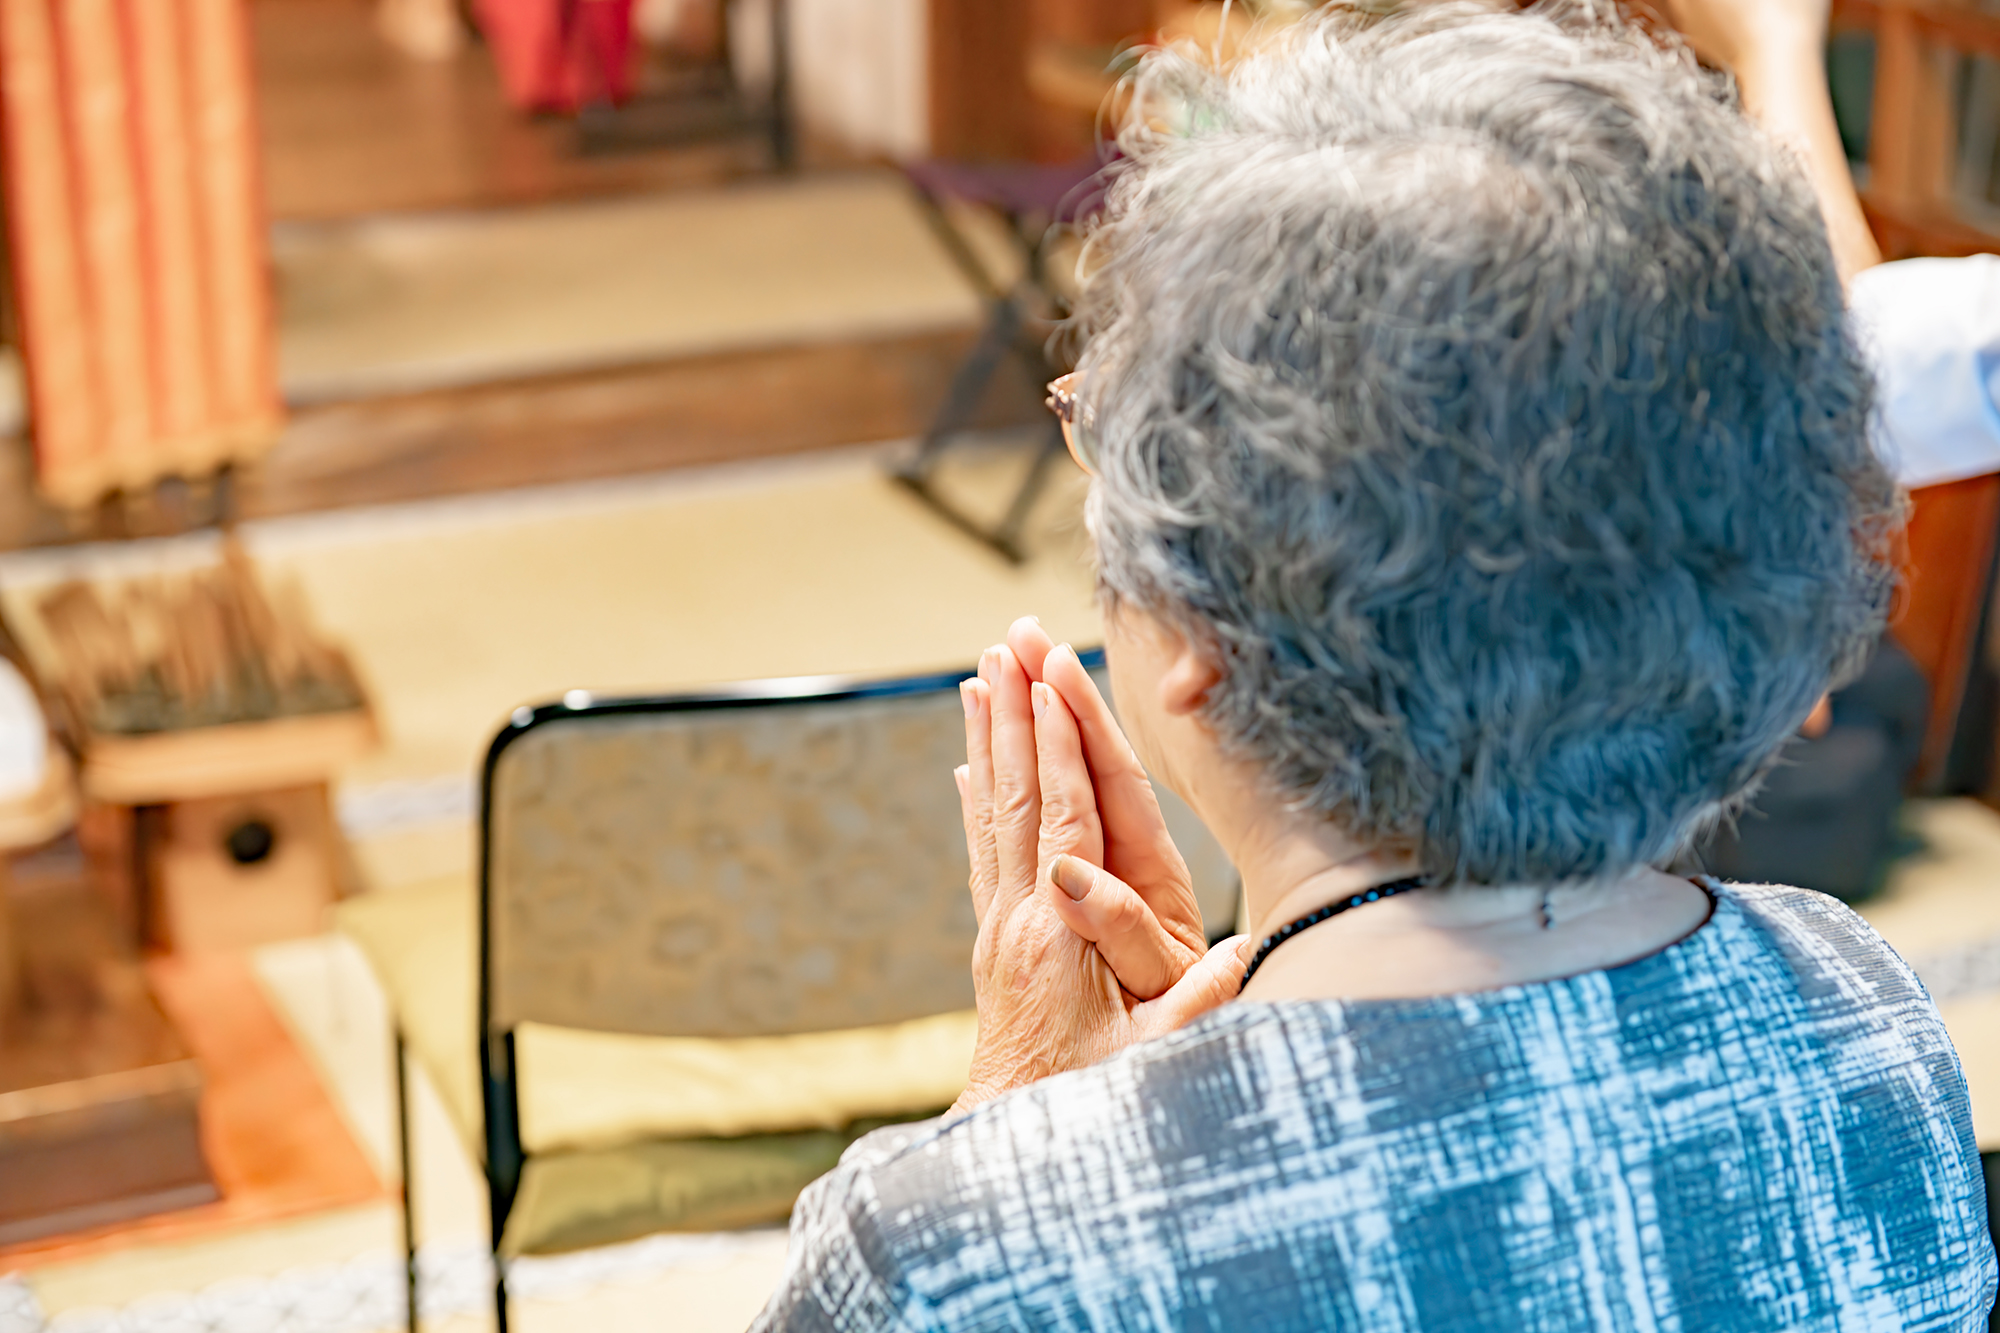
point(784, 151)
point(1008, 535)
point(1006, 333)
point(504, 1158)
point(968, 385)
point(1001, 337)
point(408, 1169)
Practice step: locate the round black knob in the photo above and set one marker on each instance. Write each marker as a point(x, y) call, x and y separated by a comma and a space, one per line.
point(250, 842)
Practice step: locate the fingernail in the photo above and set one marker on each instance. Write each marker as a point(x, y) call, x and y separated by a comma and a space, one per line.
point(966, 697)
point(1072, 877)
point(1062, 648)
point(1038, 695)
point(959, 777)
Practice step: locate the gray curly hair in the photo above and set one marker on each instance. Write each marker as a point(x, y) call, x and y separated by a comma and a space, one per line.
point(1475, 386)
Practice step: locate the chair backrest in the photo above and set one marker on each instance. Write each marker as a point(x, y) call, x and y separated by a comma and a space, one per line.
point(785, 857)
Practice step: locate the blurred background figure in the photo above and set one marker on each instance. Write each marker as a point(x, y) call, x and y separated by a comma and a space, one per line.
point(1829, 813)
point(561, 57)
point(422, 29)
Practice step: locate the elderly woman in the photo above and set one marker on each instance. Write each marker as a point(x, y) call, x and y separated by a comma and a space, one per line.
point(1482, 495)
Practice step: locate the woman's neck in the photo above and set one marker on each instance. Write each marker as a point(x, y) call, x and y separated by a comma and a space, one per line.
point(1435, 941)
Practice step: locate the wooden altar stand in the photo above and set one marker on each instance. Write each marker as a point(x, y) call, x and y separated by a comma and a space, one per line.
point(98, 1094)
point(208, 720)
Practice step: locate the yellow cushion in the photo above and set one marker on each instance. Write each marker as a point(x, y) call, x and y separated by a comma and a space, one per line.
point(573, 1201)
point(421, 945)
point(583, 1091)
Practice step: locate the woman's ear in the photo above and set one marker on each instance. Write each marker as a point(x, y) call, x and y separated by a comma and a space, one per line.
point(1189, 676)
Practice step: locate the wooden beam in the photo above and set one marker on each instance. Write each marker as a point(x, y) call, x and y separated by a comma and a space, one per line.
point(1950, 549)
point(1911, 131)
point(980, 106)
point(1969, 30)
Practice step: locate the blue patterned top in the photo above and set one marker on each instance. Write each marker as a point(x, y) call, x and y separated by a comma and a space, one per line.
point(1763, 1126)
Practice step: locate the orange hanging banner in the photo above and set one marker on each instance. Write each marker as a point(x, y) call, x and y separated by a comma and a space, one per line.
point(136, 234)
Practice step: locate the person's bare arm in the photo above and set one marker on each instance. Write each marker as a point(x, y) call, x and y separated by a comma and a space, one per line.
point(1777, 50)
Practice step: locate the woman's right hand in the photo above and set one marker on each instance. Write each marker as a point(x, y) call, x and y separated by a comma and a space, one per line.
point(1134, 900)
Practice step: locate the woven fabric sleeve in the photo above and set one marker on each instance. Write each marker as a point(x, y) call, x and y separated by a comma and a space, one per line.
point(1762, 1128)
point(840, 1274)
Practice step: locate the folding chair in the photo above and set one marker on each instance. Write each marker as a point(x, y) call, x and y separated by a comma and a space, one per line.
point(1037, 203)
point(715, 938)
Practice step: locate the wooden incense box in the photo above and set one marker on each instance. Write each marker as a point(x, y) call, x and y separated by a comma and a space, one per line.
point(211, 716)
point(230, 872)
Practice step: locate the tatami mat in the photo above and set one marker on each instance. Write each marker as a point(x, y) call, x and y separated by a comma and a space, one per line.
point(395, 303)
point(458, 611)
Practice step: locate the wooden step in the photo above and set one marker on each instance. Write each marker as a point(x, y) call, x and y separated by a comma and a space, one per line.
point(594, 425)
point(98, 1093)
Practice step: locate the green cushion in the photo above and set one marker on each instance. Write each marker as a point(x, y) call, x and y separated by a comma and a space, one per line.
point(573, 1201)
point(590, 1190)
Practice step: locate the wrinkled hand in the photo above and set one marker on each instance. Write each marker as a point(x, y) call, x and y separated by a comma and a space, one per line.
point(1047, 966)
point(1142, 869)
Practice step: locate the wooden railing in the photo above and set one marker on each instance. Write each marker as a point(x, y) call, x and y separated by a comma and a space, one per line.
point(1913, 132)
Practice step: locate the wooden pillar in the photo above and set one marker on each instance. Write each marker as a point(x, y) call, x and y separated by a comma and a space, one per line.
point(980, 107)
point(1953, 528)
point(1912, 135)
point(134, 224)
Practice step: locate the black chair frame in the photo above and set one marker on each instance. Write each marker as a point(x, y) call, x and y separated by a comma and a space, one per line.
point(504, 1158)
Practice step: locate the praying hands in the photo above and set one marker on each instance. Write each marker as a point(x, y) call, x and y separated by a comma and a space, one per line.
point(1090, 938)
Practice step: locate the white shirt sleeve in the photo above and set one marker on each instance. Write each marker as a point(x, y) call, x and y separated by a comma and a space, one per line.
point(1933, 331)
point(1932, 328)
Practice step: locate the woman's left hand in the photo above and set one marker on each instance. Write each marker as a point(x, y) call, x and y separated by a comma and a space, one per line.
point(1048, 1001)
point(1133, 895)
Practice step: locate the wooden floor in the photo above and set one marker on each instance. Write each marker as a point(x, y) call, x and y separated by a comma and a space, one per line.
point(352, 127)
point(275, 1143)
point(694, 410)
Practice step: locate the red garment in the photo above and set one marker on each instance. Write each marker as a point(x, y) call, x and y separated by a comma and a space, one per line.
point(558, 55)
